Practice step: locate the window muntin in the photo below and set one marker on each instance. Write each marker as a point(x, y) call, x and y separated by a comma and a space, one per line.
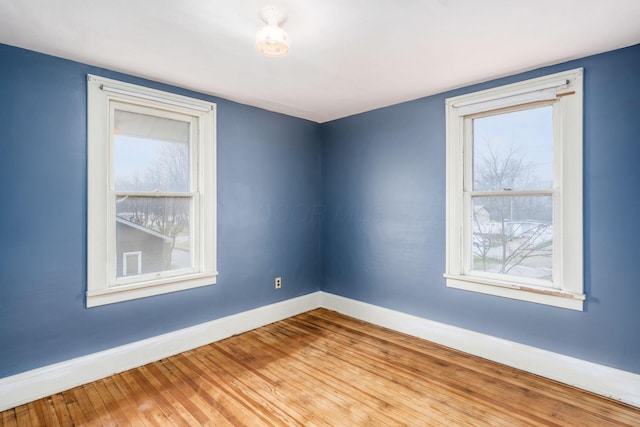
point(151, 191)
point(514, 191)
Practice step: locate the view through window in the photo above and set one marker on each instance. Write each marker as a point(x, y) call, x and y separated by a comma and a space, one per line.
point(152, 183)
point(513, 153)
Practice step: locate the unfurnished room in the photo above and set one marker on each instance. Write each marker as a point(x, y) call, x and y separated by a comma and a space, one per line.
point(319, 213)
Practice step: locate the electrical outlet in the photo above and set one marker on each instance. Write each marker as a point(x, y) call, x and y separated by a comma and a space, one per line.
point(278, 282)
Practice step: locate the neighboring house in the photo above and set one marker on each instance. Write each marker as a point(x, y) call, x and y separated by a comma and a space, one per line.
point(140, 249)
point(539, 231)
point(482, 223)
point(481, 214)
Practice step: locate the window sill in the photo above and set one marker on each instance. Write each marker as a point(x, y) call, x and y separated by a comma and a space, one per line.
point(553, 297)
point(125, 293)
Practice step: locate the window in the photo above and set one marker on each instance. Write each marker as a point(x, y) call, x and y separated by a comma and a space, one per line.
point(151, 192)
point(131, 263)
point(514, 191)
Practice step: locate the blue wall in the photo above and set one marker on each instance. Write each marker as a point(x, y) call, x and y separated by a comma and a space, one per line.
point(364, 195)
point(383, 229)
point(268, 196)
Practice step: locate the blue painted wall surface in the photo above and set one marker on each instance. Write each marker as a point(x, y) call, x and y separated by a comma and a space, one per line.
point(377, 182)
point(383, 231)
point(268, 196)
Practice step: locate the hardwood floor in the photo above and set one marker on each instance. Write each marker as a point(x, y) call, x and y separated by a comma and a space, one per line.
point(322, 369)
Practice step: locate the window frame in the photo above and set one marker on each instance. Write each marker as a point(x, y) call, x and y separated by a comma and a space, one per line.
point(103, 97)
point(564, 91)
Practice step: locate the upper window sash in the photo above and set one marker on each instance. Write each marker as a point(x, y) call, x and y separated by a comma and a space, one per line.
point(194, 135)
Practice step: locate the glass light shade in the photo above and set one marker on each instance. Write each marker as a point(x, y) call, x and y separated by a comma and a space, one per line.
point(272, 41)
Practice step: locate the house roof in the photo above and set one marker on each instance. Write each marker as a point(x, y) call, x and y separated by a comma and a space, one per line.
point(346, 57)
point(142, 228)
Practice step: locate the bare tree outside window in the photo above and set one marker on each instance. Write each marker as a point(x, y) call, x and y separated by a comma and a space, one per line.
point(511, 233)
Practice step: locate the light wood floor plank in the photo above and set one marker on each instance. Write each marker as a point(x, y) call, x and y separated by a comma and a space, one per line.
point(61, 410)
point(167, 403)
point(35, 414)
point(71, 404)
point(360, 363)
point(170, 399)
point(248, 388)
point(374, 408)
point(22, 416)
point(8, 418)
point(309, 402)
point(191, 401)
point(401, 361)
point(48, 412)
point(146, 401)
point(128, 401)
point(99, 394)
point(377, 400)
point(105, 411)
point(239, 408)
point(323, 369)
point(550, 394)
point(206, 393)
point(83, 404)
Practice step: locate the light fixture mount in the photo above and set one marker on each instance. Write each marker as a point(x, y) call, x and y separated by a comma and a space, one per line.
point(272, 40)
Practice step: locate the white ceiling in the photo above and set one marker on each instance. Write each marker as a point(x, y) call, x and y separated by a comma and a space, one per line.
point(346, 57)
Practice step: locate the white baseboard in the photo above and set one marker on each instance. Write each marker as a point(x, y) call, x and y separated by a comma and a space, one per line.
point(605, 381)
point(37, 383)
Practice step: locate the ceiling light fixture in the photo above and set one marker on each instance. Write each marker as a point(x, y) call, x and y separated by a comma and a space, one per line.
point(272, 40)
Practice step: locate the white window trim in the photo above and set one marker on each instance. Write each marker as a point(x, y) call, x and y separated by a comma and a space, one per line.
point(101, 262)
point(565, 91)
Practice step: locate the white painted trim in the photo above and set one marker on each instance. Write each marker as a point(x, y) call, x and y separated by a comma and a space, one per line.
point(567, 189)
point(37, 383)
point(485, 286)
point(520, 94)
point(603, 380)
point(104, 96)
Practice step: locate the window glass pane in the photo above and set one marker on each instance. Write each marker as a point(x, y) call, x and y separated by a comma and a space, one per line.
point(158, 229)
point(513, 235)
point(150, 153)
point(513, 151)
